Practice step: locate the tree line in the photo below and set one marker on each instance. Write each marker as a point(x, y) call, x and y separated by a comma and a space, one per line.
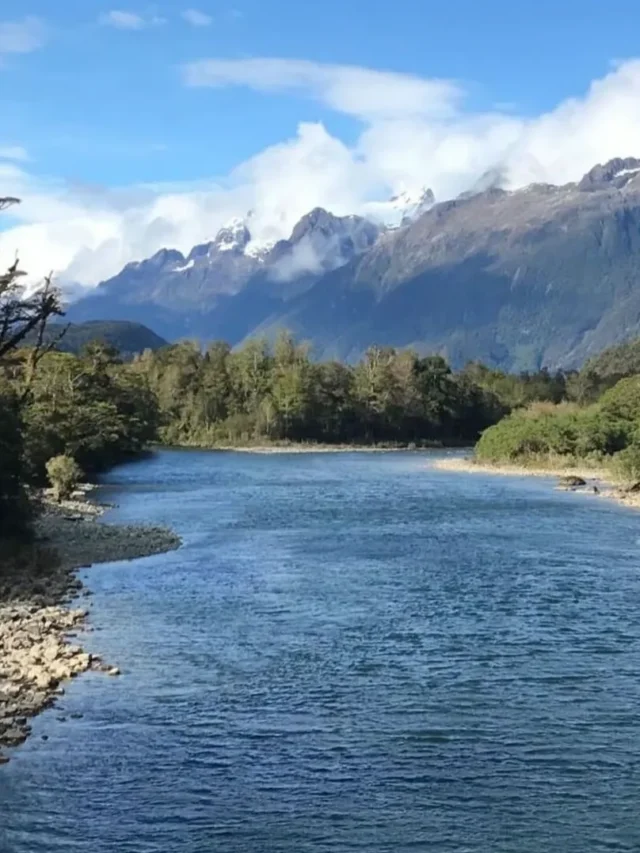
point(262, 393)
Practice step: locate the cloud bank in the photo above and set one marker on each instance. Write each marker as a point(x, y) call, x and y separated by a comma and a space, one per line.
point(414, 133)
point(362, 92)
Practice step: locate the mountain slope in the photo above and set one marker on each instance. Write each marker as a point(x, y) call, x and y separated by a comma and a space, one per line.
point(128, 338)
point(543, 276)
point(226, 287)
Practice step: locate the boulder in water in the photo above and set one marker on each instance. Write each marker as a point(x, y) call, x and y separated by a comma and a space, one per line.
point(571, 482)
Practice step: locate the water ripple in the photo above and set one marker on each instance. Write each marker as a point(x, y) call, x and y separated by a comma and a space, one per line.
point(351, 653)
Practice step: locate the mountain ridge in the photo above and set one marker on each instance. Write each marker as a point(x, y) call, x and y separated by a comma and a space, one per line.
point(540, 276)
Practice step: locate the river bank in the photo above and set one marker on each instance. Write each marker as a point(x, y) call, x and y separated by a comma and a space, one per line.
point(598, 480)
point(36, 620)
point(311, 447)
point(316, 448)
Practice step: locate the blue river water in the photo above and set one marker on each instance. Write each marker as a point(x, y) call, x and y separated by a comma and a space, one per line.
point(351, 652)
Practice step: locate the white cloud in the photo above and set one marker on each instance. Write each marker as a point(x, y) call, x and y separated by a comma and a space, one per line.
point(14, 152)
point(197, 18)
point(123, 20)
point(88, 234)
point(23, 36)
point(362, 92)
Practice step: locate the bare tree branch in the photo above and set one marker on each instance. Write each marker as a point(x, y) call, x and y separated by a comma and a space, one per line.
point(8, 201)
point(22, 313)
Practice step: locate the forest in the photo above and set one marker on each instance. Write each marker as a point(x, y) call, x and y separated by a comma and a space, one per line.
point(262, 393)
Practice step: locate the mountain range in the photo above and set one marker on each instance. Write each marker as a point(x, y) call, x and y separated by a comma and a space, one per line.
point(544, 276)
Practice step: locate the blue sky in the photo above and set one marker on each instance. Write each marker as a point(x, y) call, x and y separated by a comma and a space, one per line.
point(154, 121)
point(98, 103)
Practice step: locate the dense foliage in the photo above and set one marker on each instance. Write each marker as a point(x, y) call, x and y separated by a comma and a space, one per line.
point(92, 408)
point(14, 504)
point(615, 362)
point(21, 314)
point(605, 432)
point(259, 393)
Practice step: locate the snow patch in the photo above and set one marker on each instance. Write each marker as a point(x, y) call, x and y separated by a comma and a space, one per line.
point(401, 209)
point(186, 267)
point(234, 236)
point(623, 172)
point(259, 249)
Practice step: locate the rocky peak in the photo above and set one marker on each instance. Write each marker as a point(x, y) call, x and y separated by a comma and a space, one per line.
point(321, 241)
point(318, 219)
point(165, 257)
point(402, 208)
point(232, 237)
point(615, 173)
point(200, 251)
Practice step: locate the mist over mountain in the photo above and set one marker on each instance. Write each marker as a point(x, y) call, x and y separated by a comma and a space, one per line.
point(542, 276)
point(227, 286)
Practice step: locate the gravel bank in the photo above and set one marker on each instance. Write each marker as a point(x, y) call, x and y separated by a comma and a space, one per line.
point(36, 653)
point(597, 480)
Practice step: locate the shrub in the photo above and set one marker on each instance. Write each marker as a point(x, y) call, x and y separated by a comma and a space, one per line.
point(64, 475)
point(627, 463)
point(623, 400)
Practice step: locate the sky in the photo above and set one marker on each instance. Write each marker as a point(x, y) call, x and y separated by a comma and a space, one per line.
point(130, 126)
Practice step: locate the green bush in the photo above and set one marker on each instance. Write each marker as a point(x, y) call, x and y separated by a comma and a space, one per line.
point(64, 475)
point(557, 431)
point(622, 402)
point(626, 463)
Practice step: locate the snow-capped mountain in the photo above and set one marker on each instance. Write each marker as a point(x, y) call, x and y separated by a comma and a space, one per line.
point(321, 242)
point(401, 209)
point(522, 278)
point(232, 237)
point(617, 173)
point(169, 285)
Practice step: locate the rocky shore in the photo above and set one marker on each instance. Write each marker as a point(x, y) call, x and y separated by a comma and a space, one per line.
point(37, 655)
point(595, 481)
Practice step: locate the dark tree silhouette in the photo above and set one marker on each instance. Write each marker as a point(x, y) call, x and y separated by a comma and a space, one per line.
point(24, 314)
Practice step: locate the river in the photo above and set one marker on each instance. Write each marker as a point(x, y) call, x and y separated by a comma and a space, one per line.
point(351, 652)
